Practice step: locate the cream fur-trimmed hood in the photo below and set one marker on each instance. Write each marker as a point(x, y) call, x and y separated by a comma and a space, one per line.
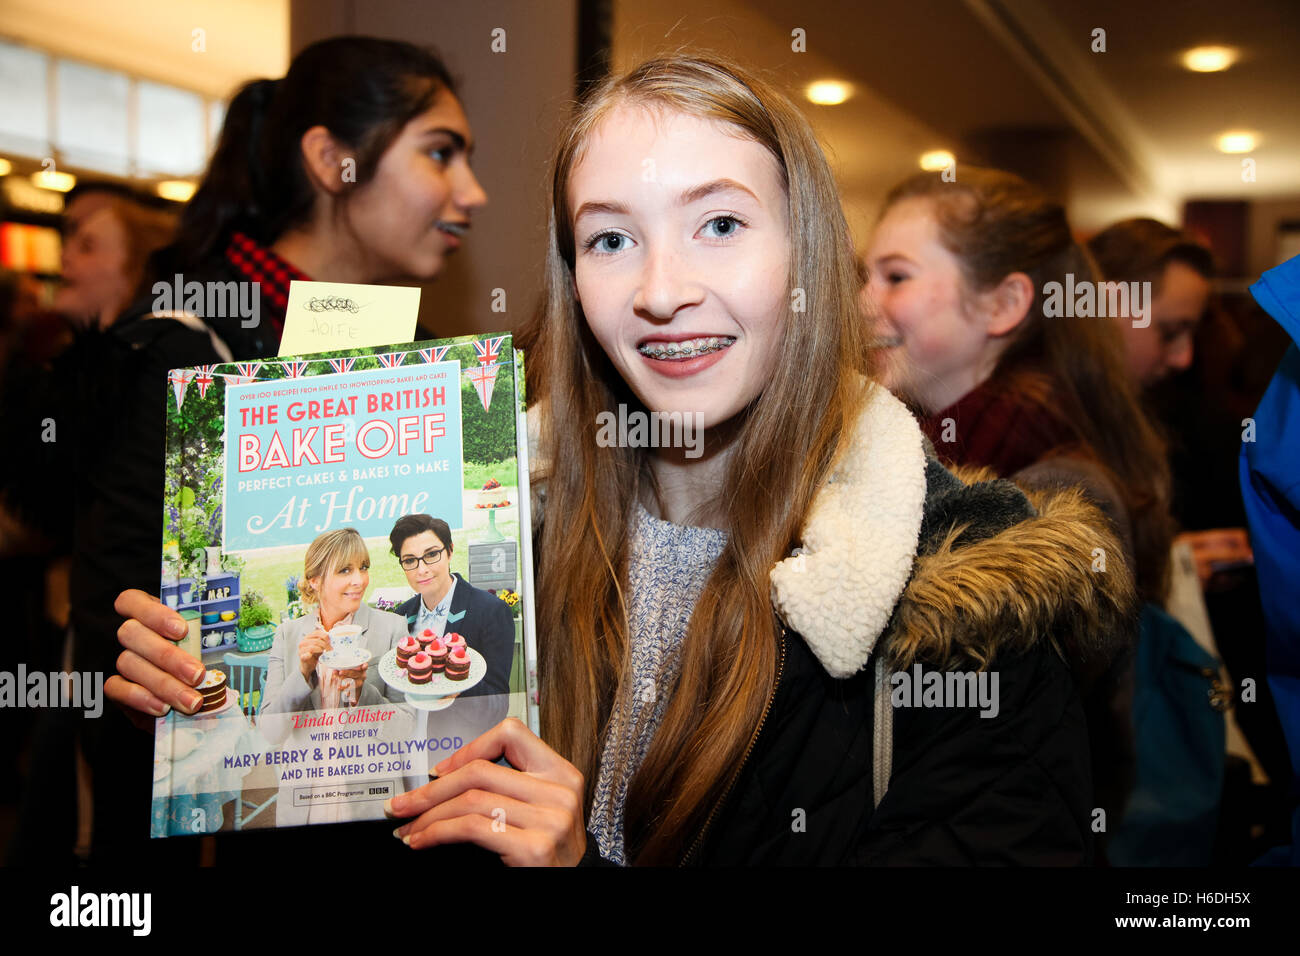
point(859, 541)
point(989, 568)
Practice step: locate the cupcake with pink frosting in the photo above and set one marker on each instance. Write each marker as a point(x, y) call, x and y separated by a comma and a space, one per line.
point(457, 664)
point(438, 651)
point(407, 647)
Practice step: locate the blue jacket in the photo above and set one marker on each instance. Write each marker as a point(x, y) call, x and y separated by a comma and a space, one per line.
point(1270, 489)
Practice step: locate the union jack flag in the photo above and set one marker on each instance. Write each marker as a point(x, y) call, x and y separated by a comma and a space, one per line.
point(488, 349)
point(237, 379)
point(484, 378)
point(342, 364)
point(391, 360)
point(249, 369)
point(295, 368)
point(179, 378)
point(203, 379)
point(434, 354)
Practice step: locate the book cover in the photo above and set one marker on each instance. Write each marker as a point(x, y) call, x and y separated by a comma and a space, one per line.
point(347, 535)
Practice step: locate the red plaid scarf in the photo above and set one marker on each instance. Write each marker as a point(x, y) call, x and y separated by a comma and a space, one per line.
point(272, 273)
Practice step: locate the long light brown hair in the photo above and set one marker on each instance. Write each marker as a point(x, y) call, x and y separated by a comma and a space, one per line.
point(788, 439)
point(996, 223)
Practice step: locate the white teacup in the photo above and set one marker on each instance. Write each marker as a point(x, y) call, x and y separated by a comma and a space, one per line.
point(345, 635)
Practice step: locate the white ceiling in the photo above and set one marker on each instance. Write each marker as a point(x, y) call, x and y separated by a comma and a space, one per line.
point(1127, 132)
point(242, 39)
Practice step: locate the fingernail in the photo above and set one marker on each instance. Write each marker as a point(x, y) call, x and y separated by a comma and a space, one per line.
point(398, 833)
point(196, 675)
point(388, 808)
point(193, 702)
point(437, 770)
point(178, 628)
point(406, 840)
point(433, 775)
point(159, 710)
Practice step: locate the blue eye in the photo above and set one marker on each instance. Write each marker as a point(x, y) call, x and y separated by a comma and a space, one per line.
point(607, 243)
point(725, 227)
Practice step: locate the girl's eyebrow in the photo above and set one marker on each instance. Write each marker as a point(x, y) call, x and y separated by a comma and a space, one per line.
point(880, 260)
point(704, 190)
point(686, 198)
point(457, 139)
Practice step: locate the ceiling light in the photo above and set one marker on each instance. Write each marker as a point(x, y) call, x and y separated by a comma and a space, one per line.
point(55, 180)
point(1237, 141)
point(177, 190)
point(828, 92)
point(936, 160)
point(6, 167)
point(1209, 59)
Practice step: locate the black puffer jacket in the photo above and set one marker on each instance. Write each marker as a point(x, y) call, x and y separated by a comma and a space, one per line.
point(989, 577)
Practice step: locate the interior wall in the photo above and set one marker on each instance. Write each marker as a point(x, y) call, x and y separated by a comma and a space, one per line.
point(515, 101)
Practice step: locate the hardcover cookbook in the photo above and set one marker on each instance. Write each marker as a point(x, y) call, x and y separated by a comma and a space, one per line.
point(347, 535)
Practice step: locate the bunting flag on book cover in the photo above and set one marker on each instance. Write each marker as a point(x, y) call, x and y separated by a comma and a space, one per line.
point(203, 379)
point(294, 369)
point(342, 364)
point(179, 378)
point(488, 350)
point(434, 354)
point(249, 369)
point(484, 378)
point(391, 359)
point(238, 379)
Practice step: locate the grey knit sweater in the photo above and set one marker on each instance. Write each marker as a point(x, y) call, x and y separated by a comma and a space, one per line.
point(667, 569)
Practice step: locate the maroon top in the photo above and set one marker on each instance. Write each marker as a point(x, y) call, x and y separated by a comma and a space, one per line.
point(1005, 426)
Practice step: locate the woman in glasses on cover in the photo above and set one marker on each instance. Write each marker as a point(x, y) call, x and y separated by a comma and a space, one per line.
point(447, 604)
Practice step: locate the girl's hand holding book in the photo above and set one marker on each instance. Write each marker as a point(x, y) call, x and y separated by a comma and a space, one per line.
point(530, 813)
point(154, 674)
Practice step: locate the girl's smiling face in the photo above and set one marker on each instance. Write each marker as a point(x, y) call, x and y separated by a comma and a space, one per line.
point(682, 258)
point(933, 349)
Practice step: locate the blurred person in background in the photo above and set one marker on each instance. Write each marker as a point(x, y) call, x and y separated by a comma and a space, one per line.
point(1179, 269)
point(354, 167)
point(107, 241)
point(1200, 401)
point(958, 275)
point(108, 237)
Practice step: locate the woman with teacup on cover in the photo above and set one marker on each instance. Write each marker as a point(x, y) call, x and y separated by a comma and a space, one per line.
point(336, 575)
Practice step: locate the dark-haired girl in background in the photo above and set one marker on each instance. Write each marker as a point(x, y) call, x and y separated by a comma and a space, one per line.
point(354, 167)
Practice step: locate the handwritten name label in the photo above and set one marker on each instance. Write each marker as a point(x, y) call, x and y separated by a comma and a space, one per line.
point(328, 316)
